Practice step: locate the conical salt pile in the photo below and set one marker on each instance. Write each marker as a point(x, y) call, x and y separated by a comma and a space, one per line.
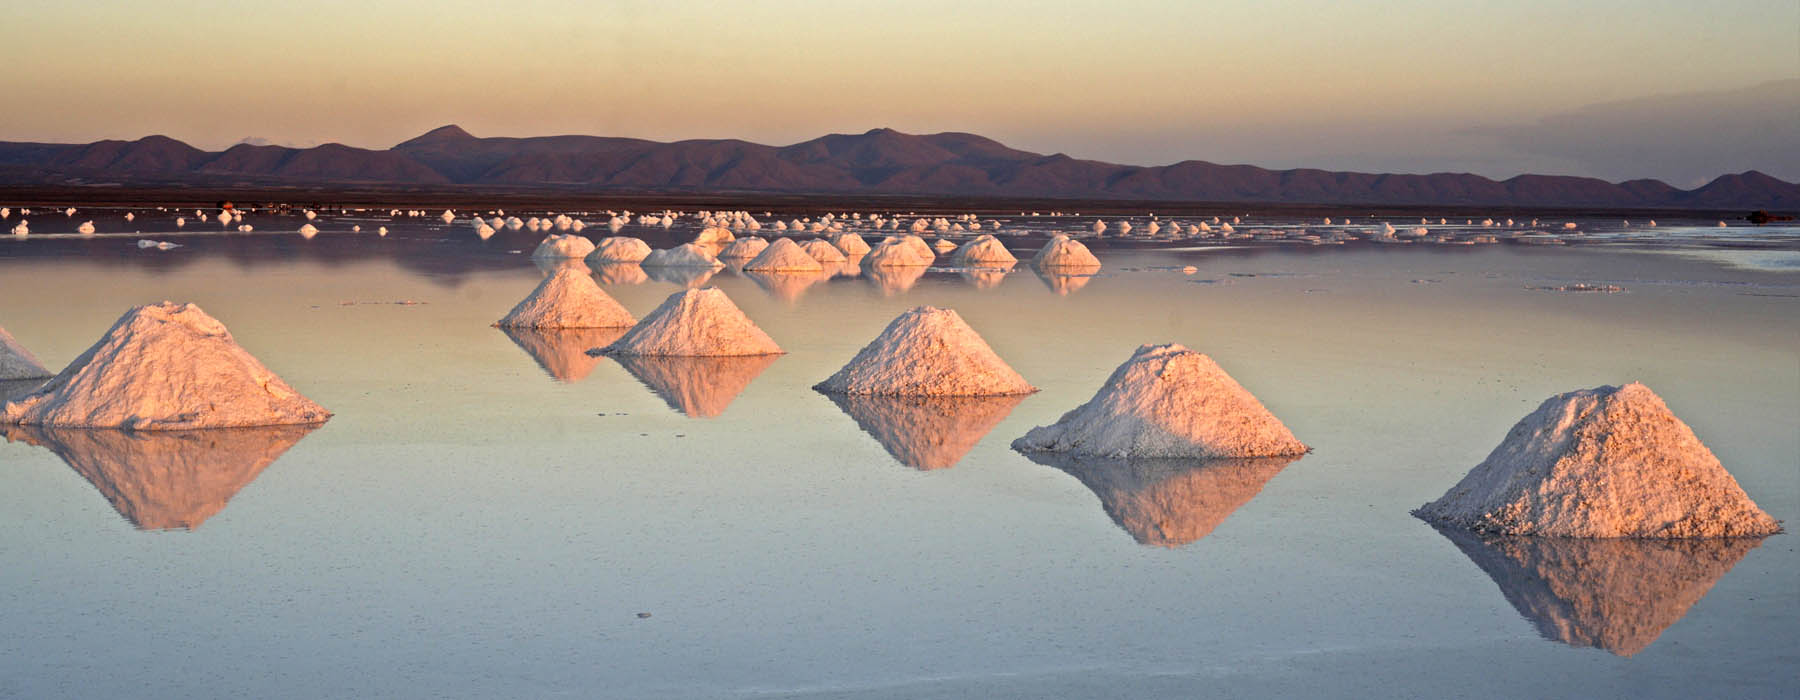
point(684, 255)
point(927, 351)
point(823, 251)
point(744, 248)
point(901, 251)
point(1063, 251)
point(1604, 462)
point(568, 298)
point(164, 366)
point(984, 250)
point(564, 245)
point(619, 249)
point(850, 243)
point(696, 323)
point(1167, 401)
point(784, 255)
point(714, 235)
point(16, 362)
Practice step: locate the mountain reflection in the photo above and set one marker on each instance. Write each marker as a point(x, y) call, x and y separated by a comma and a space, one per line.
point(1612, 594)
point(698, 387)
point(927, 432)
point(562, 352)
point(165, 480)
point(1169, 502)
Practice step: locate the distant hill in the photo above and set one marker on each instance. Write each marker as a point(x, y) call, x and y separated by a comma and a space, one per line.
point(879, 162)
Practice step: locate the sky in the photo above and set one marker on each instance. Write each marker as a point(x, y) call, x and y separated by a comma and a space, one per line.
point(1682, 91)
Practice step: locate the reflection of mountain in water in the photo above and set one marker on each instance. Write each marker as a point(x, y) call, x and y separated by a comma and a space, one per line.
point(698, 387)
point(161, 480)
point(1613, 594)
point(927, 432)
point(562, 352)
point(786, 286)
point(1169, 502)
point(1065, 281)
point(689, 276)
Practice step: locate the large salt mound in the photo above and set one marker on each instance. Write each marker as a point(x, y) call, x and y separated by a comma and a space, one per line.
point(823, 251)
point(695, 323)
point(1604, 462)
point(619, 249)
point(850, 244)
point(1063, 251)
point(744, 248)
point(1167, 402)
point(16, 362)
point(927, 432)
point(984, 250)
point(564, 245)
point(170, 479)
point(164, 366)
point(1169, 502)
point(901, 251)
point(784, 255)
point(684, 255)
point(568, 298)
point(927, 351)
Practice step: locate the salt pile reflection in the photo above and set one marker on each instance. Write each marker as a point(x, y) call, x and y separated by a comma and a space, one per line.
point(563, 352)
point(1169, 502)
point(697, 387)
point(927, 432)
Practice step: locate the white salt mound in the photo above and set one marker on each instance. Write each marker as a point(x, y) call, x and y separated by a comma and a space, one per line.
point(1167, 401)
point(684, 255)
point(744, 248)
point(943, 245)
point(716, 235)
point(901, 251)
point(985, 249)
point(164, 366)
point(784, 255)
point(568, 298)
point(1604, 462)
point(16, 362)
point(563, 245)
point(823, 251)
point(695, 323)
point(927, 351)
point(850, 244)
point(1063, 251)
point(619, 249)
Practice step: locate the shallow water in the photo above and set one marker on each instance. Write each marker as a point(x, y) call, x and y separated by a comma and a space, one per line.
point(489, 512)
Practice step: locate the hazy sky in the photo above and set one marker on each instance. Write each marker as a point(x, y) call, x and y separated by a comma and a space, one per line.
point(1494, 87)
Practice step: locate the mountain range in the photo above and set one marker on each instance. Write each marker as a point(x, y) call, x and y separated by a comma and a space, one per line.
point(878, 162)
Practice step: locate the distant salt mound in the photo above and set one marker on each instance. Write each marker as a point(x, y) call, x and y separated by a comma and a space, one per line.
point(16, 362)
point(1603, 462)
point(568, 298)
point(744, 248)
point(901, 251)
point(684, 255)
point(696, 323)
point(984, 250)
point(850, 244)
point(164, 366)
point(1063, 251)
point(784, 255)
point(943, 245)
point(563, 245)
point(712, 235)
point(619, 249)
point(308, 231)
point(1167, 401)
point(823, 251)
point(927, 351)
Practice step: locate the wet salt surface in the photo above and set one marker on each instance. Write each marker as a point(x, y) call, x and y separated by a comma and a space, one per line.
point(471, 525)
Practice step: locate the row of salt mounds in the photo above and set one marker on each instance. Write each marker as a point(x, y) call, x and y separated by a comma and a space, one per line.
point(16, 362)
point(563, 245)
point(568, 298)
point(619, 249)
point(164, 366)
point(927, 351)
point(850, 244)
point(1063, 251)
point(684, 255)
point(902, 251)
point(985, 249)
point(823, 251)
point(695, 323)
point(744, 248)
point(1167, 401)
point(784, 255)
point(1603, 462)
